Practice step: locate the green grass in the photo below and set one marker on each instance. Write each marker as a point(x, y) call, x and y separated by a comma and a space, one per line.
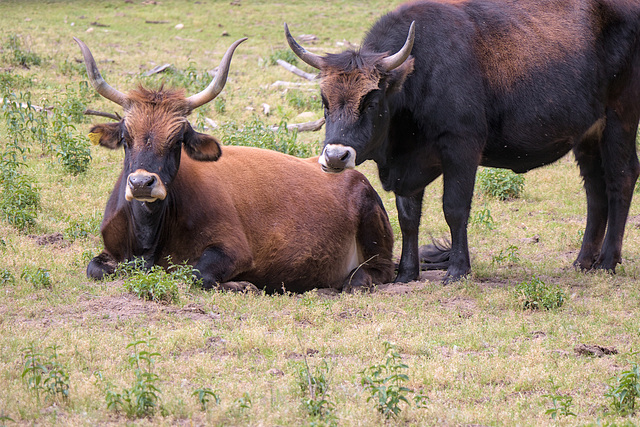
point(472, 354)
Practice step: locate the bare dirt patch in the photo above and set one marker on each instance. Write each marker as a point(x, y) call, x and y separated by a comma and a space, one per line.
point(115, 308)
point(54, 239)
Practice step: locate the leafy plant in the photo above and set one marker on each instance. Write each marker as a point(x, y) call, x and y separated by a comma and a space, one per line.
point(204, 395)
point(502, 184)
point(15, 54)
point(536, 294)
point(384, 383)
point(257, 134)
point(143, 397)
point(19, 196)
point(625, 390)
point(46, 374)
point(508, 256)
point(315, 391)
point(39, 277)
point(156, 284)
point(561, 403)
point(483, 218)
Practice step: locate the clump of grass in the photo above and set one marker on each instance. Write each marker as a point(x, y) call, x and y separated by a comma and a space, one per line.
point(535, 294)
point(257, 134)
point(625, 391)
point(142, 399)
point(39, 277)
point(191, 79)
point(501, 184)
point(301, 101)
point(15, 54)
point(6, 278)
point(10, 82)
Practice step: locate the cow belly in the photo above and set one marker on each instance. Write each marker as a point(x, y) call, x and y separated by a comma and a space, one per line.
point(522, 159)
point(300, 269)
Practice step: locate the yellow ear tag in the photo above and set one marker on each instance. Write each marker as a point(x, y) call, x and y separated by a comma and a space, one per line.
point(95, 138)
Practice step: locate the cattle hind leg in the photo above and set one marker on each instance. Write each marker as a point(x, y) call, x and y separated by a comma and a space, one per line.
point(375, 240)
point(621, 170)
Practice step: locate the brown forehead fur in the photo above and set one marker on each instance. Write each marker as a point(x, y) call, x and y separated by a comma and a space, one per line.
point(153, 117)
point(347, 77)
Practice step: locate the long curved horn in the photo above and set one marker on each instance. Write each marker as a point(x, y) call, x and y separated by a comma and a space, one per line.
point(218, 82)
point(394, 61)
point(310, 58)
point(96, 79)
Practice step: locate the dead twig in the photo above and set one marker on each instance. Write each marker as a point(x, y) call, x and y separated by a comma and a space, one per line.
point(89, 112)
point(156, 70)
point(304, 127)
point(297, 71)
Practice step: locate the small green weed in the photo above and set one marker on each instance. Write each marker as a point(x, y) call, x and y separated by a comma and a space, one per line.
point(384, 383)
point(536, 294)
point(315, 391)
point(483, 218)
point(284, 54)
point(15, 54)
point(39, 277)
point(506, 256)
point(243, 402)
point(143, 398)
point(220, 105)
point(257, 134)
point(624, 391)
point(6, 278)
point(204, 395)
point(45, 373)
point(501, 184)
point(561, 403)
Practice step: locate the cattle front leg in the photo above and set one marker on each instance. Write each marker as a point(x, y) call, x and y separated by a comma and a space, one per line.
point(409, 213)
point(214, 268)
point(459, 180)
point(101, 266)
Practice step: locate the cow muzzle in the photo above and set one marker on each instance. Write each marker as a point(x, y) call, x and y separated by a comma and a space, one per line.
point(336, 157)
point(145, 187)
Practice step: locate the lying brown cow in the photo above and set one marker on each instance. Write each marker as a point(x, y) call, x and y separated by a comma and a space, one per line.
point(237, 214)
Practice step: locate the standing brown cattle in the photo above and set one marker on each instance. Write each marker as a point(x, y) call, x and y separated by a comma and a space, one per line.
point(237, 213)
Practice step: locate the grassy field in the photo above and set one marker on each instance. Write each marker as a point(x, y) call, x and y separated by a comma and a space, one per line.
point(462, 354)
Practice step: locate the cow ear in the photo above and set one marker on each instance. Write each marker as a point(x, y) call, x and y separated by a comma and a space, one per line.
point(399, 75)
point(108, 135)
point(200, 146)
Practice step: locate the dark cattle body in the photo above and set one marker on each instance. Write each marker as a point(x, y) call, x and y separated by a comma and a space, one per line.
point(235, 213)
point(500, 83)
